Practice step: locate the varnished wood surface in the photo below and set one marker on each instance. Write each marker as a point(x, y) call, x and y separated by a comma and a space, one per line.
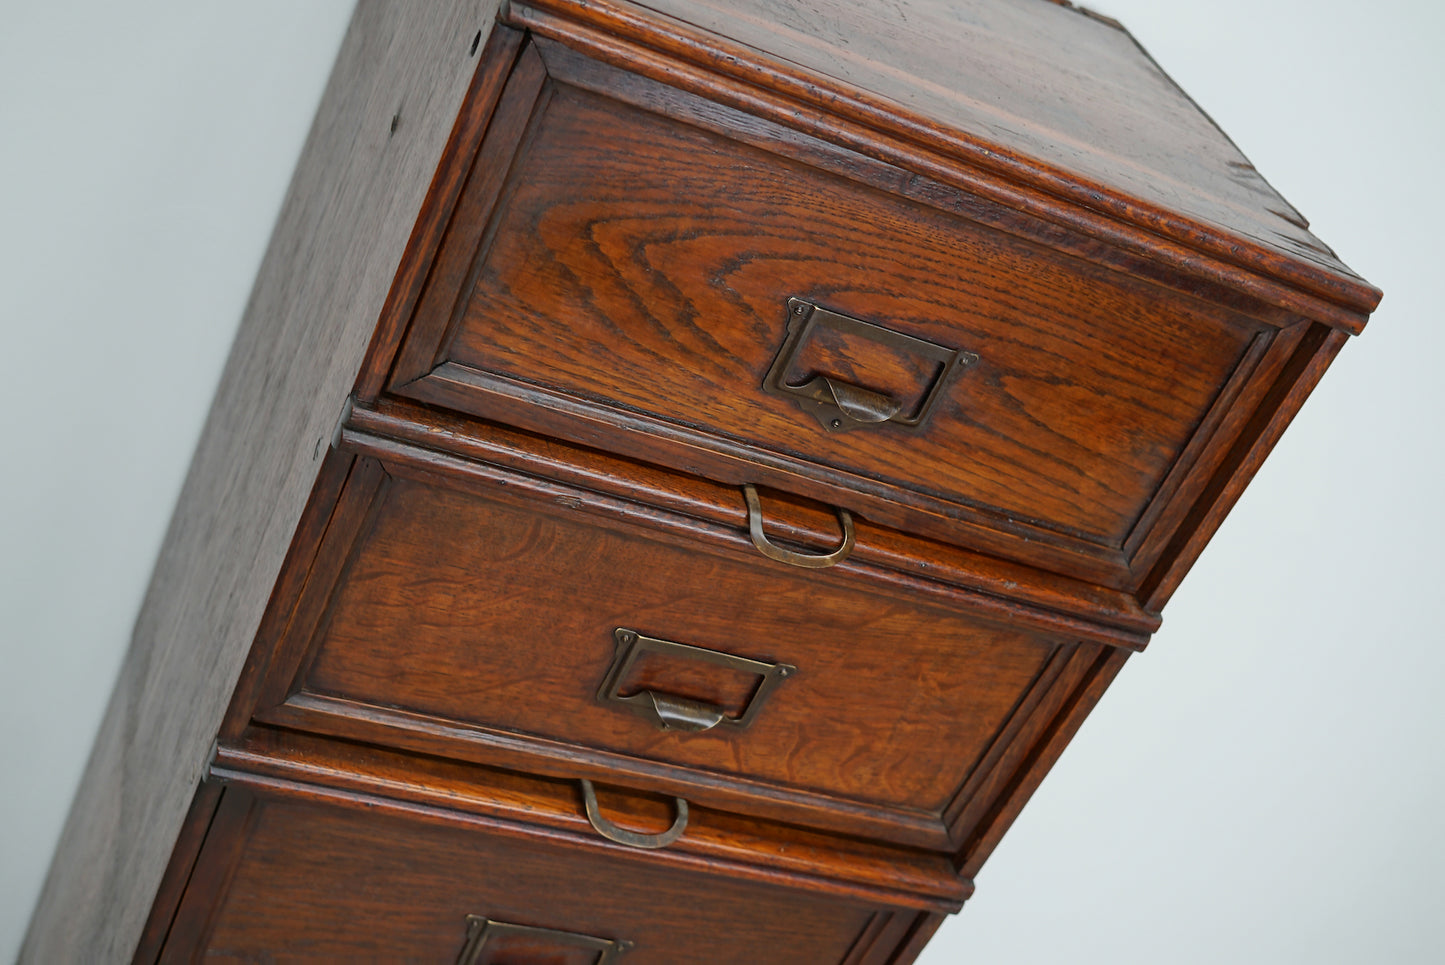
point(316, 300)
point(1099, 408)
point(485, 613)
point(674, 252)
point(1036, 92)
point(1053, 608)
point(515, 802)
point(393, 428)
point(254, 876)
point(331, 883)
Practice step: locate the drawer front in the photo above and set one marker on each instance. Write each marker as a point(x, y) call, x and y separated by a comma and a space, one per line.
point(481, 622)
point(280, 879)
point(669, 288)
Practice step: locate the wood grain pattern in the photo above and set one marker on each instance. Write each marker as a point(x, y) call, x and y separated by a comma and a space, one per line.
point(1039, 449)
point(517, 803)
point(321, 286)
point(393, 428)
point(621, 201)
point(675, 251)
point(1004, 596)
point(1036, 94)
point(485, 613)
point(345, 883)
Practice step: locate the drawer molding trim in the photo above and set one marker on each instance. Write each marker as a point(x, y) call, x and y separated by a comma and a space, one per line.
point(869, 872)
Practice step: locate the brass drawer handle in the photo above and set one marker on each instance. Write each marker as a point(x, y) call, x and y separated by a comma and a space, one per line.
point(669, 711)
point(774, 552)
point(634, 839)
point(481, 930)
point(857, 403)
point(839, 405)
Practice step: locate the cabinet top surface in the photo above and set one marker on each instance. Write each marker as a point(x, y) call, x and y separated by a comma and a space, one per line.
point(1041, 92)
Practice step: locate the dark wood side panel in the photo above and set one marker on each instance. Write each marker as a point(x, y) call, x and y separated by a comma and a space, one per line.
point(321, 286)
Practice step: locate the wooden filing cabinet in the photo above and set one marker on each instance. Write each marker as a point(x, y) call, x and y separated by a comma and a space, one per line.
point(780, 424)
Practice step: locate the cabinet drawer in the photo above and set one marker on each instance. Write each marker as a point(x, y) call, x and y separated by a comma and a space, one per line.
point(517, 622)
point(287, 874)
point(633, 268)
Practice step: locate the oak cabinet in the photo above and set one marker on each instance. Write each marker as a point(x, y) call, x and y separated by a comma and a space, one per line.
point(769, 430)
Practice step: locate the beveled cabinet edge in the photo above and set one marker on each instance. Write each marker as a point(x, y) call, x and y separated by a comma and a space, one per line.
point(494, 66)
point(1073, 708)
point(177, 877)
point(661, 47)
point(1303, 371)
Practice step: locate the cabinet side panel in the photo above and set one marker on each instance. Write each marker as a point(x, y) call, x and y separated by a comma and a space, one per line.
point(325, 276)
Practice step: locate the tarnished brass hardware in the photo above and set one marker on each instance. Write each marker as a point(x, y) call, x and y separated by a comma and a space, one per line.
point(838, 405)
point(857, 403)
point(774, 552)
point(481, 930)
point(634, 839)
point(671, 712)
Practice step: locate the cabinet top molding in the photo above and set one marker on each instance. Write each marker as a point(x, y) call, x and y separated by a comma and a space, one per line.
point(1050, 108)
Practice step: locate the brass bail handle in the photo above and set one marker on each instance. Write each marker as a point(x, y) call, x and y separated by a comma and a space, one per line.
point(634, 839)
point(775, 552)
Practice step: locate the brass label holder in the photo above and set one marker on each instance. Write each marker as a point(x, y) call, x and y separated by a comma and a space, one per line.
point(671, 712)
point(482, 930)
point(839, 406)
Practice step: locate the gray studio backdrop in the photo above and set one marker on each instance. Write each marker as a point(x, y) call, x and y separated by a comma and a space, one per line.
point(1262, 785)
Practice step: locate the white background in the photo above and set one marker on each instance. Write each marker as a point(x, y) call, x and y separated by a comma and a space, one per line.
point(1264, 784)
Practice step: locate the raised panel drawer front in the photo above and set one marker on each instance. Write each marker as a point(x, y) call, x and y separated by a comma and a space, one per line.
point(509, 621)
point(638, 269)
point(282, 877)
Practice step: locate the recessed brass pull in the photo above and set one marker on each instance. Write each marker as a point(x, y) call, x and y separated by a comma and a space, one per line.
point(856, 402)
point(679, 713)
point(482, 931)
point(670, 712)
point(634, 839)
point(775, 552)
point(838, 405)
